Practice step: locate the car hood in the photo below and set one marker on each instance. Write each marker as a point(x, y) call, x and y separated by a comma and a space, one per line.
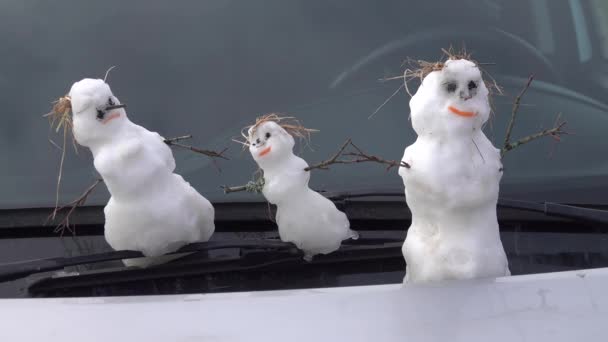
point(545, 307)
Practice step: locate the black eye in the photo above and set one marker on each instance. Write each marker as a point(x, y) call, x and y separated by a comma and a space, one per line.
point(100, 114)
point(257, 140)
point(110, 101)
point(472, 85)
point(451, 87)
point(267, 135)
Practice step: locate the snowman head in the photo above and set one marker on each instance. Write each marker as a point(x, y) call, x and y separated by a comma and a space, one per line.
point(96, 113)
point(269, 143)
point(451, 101)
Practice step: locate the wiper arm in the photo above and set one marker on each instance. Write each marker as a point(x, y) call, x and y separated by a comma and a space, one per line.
point(247, 262)
point(557, 210)
point(22, 269)
point(548, 208)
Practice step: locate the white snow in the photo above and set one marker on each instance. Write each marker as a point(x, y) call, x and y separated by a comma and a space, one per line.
point(452, 185)
point(152, 209)
point(305, 218)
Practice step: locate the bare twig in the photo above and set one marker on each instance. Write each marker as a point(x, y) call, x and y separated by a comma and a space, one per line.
point(251, 186)
point(81, 200)
point(333, 160)
point(362, 157)
point(183, 137)
point(254, 186)
point(514, 111)
point(208, 153)
point(555, 132)
point(358, 157)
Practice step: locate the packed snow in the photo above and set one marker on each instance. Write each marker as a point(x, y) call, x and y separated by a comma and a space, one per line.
point(151, 209)
point(304, 217)
point(452, 185)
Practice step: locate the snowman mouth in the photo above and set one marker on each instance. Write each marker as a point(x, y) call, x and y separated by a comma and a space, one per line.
point(459, 112)
point(265, 151)
point(110, 118)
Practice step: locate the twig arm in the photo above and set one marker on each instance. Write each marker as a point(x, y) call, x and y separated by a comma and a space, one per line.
point(515, 109)
point(555, 132)
point(333, 160)
point(251, 186)
point(208, 153)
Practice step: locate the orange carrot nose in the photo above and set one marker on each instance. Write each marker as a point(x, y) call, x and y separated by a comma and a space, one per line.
point(265, 151)
point(460, 112)
point(110, 118)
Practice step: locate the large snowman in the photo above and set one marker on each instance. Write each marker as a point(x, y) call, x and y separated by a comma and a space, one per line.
point(304, 217)
point(452, 185)
point(152, 209)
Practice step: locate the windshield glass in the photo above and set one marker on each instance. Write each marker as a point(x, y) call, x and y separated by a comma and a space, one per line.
point(209, 68)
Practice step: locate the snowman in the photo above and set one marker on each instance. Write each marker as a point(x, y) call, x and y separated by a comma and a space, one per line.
point(452, 185)
point(151, 209)
point(304, 217)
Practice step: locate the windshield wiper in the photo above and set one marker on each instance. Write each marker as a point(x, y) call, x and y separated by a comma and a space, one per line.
point(557, 210)
point(22, 269)
point(547, 208)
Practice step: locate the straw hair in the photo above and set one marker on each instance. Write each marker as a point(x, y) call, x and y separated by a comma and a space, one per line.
point(60, 115)
point(419, 69)
point(288, 123)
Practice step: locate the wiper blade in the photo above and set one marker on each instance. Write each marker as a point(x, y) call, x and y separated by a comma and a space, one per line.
point(557, 210)
point(247, 262)
point(22, 269)
point(547, 208)
point(17, 270)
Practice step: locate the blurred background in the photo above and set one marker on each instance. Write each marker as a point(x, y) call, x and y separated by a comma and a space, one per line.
point(209, 68)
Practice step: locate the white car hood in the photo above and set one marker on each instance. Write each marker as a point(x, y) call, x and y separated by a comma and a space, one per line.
point(566, 306)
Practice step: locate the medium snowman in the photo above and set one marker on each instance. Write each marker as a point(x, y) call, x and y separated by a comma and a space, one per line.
point(151, 209)
point(452, 185)
point(304, 217)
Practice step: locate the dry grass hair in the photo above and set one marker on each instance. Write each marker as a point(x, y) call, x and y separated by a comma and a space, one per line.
point(61, 117)
point(61, 114)
point(419, 69)
point(289, 123)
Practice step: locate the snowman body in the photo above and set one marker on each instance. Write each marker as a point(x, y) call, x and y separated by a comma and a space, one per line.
point(453, 183)
point(151, 209)
point(304, 217)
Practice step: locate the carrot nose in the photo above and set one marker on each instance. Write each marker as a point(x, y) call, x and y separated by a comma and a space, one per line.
point(460, 112)
point(265, 151)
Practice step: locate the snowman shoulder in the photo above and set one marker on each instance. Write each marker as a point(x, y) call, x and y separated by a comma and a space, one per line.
point(117, 156)
point(158, 145)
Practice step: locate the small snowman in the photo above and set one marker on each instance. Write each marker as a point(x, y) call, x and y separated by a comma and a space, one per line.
point(304, 217)
point(452, 185)
point(151, 209)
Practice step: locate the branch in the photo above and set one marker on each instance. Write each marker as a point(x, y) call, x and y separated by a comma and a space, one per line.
point(251, 186)
point(555, 132)
point(65, 223)
point(363, 157)
point(359, 157)
point(514, 111)
point(176, 139)
point(333, 160)
point(208, 153)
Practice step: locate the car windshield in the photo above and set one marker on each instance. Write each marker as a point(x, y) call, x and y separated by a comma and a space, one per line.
point(209, 68)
